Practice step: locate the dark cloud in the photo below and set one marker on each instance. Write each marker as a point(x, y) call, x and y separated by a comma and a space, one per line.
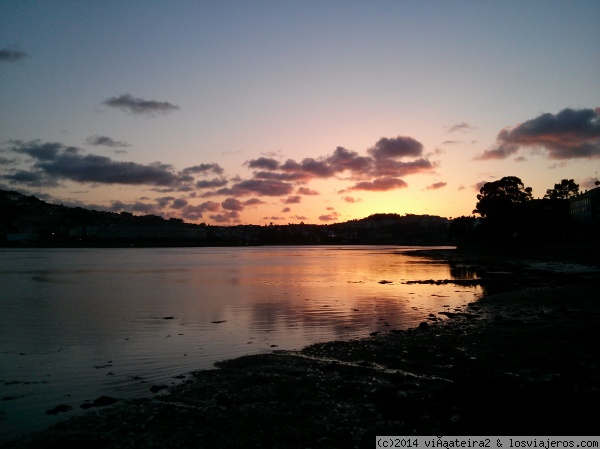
point(11, 55)
point(194, 213)
point(204, 168)
point(436, 185)
point(179, 203)
point(226, 217)
point(253, 202)
point(499, 152)
point(164, 201)
point(53, 162)
point(138, 206)
point(296, 199)
point(343, 159)
point(464, 126)
point(397, 147)
point(286, 210)
point(329, 217)
point(381, 184)
point(307, 191)
point(281, 176)
point(30, 178)
point(570, 134)
point(216, 182)
point(263, 163)
point(309, 167)
point(382, 162)
point(257, 187)
point(349, 199)
point(106, 141)
point(232, 204)
point(139, 106)
point(101, 169)
point(477, 187)
point(41, 151)
point(393, 168)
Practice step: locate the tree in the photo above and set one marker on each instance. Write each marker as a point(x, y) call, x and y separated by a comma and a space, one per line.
point(501, 199)
point(503, 206)
point(563, 191)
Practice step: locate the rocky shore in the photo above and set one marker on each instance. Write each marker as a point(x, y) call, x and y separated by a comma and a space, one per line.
point(523, 360)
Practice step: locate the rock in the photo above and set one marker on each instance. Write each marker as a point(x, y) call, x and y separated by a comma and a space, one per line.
point(218, 322)
point(58, 409)
point(157, 388)
point(168, 318)
point(423, 325)
point(102, 401)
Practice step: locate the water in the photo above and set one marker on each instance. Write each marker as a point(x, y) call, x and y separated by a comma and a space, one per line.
point(76, 324)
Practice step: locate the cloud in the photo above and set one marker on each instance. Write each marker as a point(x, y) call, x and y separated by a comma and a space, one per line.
point(463, 127)
point(138, 206)
point(286, 210)
point(204, 168)
point(139, 106)
point(49, 163)
point(179, 203)
point(329, 217)
point(264, 163)
point(380, 184)
point(398, 147)
point(226, 217)
point(253, 202)
point(343, 159)
point(296, 199)
point(11, 55)
point(282, 176)
point(258, 187)
point(477, 187)
point(436, 185)
point(393, 168)
point(164, 201)
point(307, 191)
point(232, 204)
point(194, 213)
point(570, 134)
point(383, 161)
point(310, 167)
point(216, 182)
point(349, 199)
point(106, 141)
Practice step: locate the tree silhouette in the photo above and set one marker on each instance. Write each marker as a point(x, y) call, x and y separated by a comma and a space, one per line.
point(563, 191)
point(499, 198)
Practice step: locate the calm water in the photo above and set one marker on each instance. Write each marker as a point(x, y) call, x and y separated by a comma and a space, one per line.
point(76, 324)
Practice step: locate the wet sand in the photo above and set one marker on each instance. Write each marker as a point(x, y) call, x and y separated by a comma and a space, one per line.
point(521, 362)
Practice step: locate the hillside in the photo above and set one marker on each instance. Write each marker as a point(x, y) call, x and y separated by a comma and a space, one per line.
point(29, 221)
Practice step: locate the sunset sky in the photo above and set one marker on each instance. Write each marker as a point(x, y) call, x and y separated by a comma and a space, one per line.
point(252, 112)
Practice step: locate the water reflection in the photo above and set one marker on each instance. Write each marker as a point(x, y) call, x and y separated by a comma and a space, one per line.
point(78, 324)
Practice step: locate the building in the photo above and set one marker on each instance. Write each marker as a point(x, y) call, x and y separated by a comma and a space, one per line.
point(586, 207)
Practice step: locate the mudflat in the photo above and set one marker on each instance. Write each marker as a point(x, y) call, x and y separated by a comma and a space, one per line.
point(523, 360)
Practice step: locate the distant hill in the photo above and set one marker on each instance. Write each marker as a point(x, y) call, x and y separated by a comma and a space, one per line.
point(27, 220)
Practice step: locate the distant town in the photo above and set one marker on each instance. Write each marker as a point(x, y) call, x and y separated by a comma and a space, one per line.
point(27, 221)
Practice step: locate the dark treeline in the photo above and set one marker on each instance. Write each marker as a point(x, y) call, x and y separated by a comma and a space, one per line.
point(29, 221)
point(505, 217)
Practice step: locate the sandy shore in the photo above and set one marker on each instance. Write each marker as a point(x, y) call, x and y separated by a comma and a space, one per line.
point(522, 362)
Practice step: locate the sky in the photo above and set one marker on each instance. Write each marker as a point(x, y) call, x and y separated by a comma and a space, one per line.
point(279, 111)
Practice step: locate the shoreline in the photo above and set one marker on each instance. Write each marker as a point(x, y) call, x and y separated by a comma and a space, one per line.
point(517, 362)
